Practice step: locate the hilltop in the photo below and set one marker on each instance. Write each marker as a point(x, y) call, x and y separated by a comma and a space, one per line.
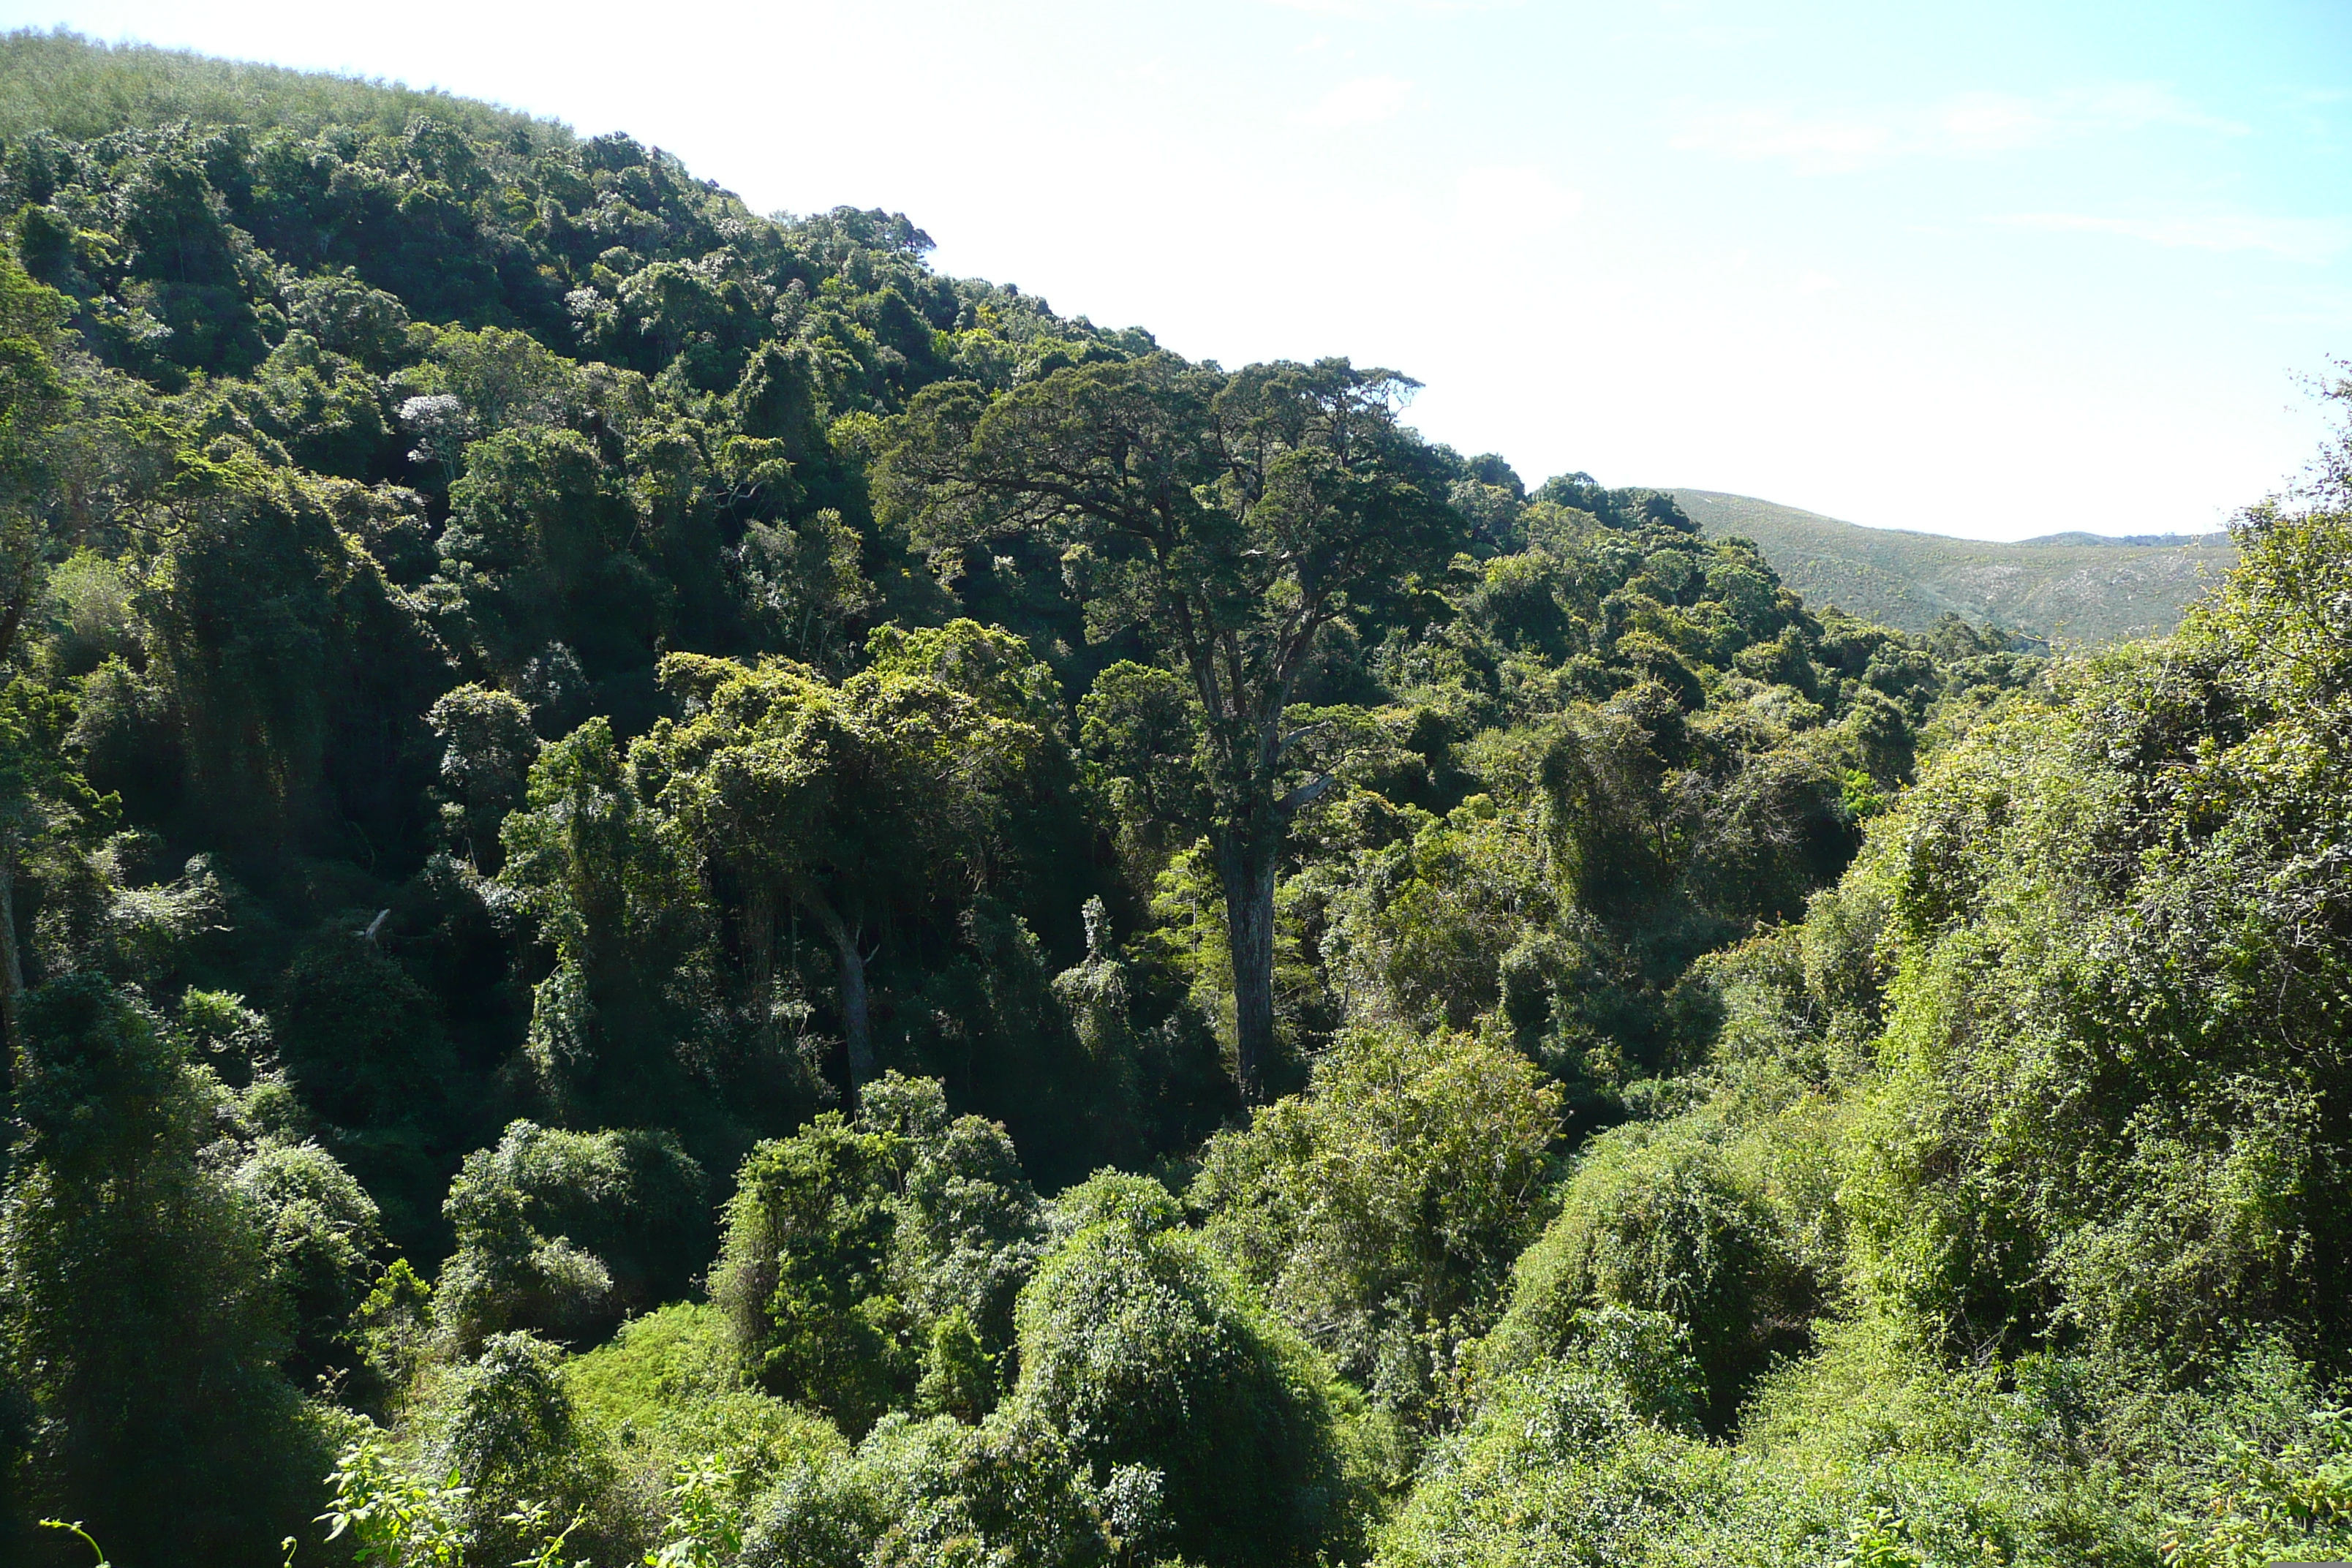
point(2079, 587)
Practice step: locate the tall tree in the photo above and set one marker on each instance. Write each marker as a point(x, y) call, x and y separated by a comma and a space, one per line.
point(1228, 518)
point(33, 401)
point(43, 799)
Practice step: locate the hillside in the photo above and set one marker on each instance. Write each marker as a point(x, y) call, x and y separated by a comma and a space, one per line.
point(675, 890)
point(2076, 587)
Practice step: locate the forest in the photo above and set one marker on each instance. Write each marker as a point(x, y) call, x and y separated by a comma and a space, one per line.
point(678, 893)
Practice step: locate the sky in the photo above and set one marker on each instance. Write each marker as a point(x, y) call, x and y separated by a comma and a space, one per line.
point(1993, 269)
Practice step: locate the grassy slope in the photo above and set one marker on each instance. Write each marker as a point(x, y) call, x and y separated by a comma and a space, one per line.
point(2069, 586)
point(80, 88)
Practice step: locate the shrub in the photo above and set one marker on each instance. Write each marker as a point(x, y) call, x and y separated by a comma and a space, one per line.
point(1138, 1348)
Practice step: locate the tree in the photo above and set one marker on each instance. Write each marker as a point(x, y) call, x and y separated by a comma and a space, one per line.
point(559, 1232)
point(803, 1276)
point(139, 1313)
point(34, 401)
point(855, 802)
point(1378, 1213)
point(41, 794)
point(489, 748)
point(587, 858)
point(281, 645)
point(542, 536)
point(319, 1227)
point(1227, 519)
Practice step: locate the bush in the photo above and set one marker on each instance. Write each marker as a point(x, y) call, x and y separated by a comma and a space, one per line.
point(939, 1491)
point(668, 1391)
point(1656, 1220)
point(505, 1429)
point(1378, 1214)
point(1138, 1348)
point(561, 1232)
point(848, 1242)
point(320, 1230)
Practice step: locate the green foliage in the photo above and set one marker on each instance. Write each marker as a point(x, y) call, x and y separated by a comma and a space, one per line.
point(393, 1521)
point(2295, 1497)
point(320, 1231)
point(808, 1239)
point(1560, 1464)
point(703, 1529)
point(939, 1491)
point(2011, 1085)
point(1229, 520)
point(506, 650)
point(1658, 1222)
point(1138, 1344)
point(960, 1376)
point(851, 1246)
point(489, 749)
point(34, 401)
point(585, 855)
point(2104, 913)
point(68, 85)
point(856, 800)
point(1378, 1214)
point(560, 1232)
point(504, 1430)
point(139, 1308)
point(670, 1391)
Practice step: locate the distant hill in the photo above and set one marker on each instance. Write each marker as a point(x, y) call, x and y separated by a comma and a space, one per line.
point(2077, 587)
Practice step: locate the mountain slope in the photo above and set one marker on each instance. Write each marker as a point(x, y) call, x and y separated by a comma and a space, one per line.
point(2074, 586)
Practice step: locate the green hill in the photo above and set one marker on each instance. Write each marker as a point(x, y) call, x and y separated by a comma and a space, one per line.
point(635, 839)
point(2079, 587)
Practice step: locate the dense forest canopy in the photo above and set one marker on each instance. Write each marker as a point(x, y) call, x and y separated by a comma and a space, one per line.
point(672, 891)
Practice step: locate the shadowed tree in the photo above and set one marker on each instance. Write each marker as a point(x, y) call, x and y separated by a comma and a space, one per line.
point(488, 750)
point(140, 1317)
point(587, 861)
point(850, 802)
point(33, 399)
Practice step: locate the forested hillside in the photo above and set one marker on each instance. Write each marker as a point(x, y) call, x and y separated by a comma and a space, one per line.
point(678, 892)
point(2078, 589)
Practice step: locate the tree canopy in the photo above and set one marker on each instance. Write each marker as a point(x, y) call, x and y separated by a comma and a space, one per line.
point(673, 890)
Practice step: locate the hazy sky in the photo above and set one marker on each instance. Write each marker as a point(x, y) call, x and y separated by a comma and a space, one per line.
point(1991, 268)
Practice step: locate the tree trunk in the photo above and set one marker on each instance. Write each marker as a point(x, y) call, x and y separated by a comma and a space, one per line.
point(1246, 869)
point(760, 956)
point(857, 1027)
point(12, 970)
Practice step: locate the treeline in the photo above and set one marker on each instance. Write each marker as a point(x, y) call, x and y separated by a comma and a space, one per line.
point(673, 889)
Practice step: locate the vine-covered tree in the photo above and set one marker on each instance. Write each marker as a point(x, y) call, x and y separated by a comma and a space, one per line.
point(852, 803)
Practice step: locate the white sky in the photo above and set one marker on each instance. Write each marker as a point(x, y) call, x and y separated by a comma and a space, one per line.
point(1992, 268)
